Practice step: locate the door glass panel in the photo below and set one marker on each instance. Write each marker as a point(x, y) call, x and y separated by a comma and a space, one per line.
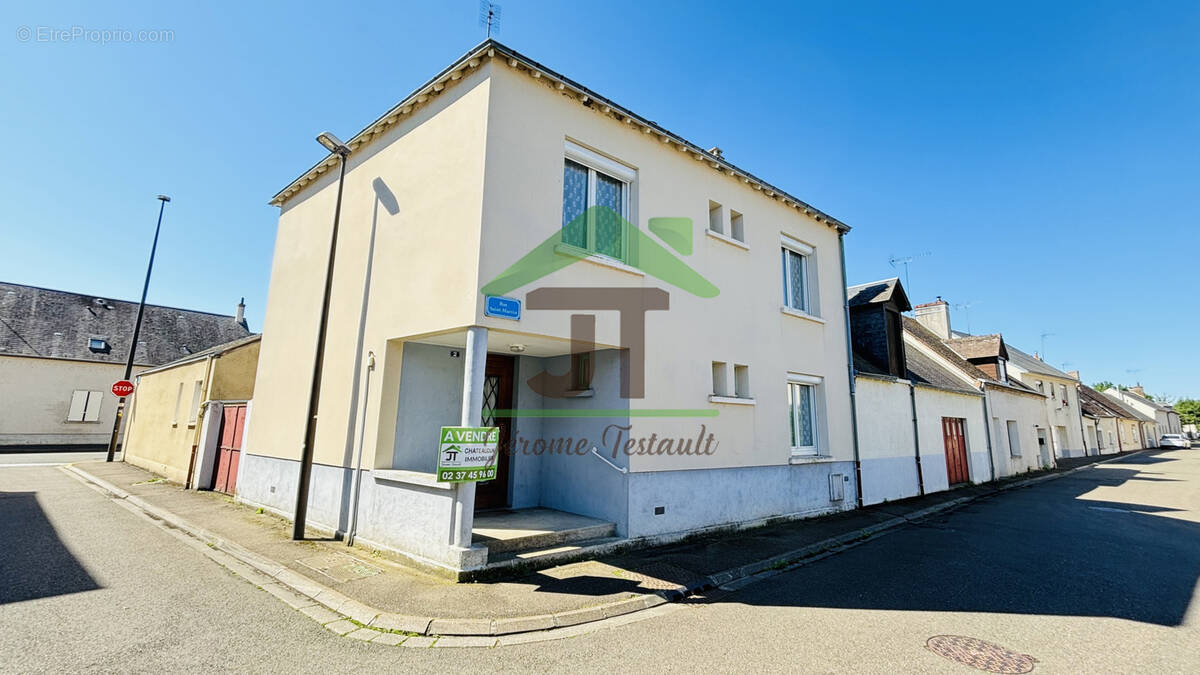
point(491, 393)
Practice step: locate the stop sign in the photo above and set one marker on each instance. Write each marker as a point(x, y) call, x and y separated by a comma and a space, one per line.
point(122, 388)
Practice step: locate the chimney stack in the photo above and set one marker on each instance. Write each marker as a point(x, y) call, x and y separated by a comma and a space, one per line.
point(1137, 389)
point(240, 317)
point(1074, 374)
point(934, 316)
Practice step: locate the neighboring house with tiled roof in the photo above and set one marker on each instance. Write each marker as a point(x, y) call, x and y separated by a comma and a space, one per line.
point(1062, 401)
point(1166, 420)
point(921, 426)
point(1111, 425)
point(176, 403)
point(1018, 426)
point(60, 353)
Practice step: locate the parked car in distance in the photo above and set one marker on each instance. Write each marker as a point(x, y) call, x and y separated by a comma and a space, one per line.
point(1174, 441)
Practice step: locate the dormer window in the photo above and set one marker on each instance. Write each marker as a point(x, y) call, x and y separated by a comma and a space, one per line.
point(99, 345)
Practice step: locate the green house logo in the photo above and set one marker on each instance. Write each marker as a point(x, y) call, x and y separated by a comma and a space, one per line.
point(616, 238)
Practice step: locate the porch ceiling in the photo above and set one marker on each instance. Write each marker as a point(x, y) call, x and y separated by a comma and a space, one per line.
point(506, 342)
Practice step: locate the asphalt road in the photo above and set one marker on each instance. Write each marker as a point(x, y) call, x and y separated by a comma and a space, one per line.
point(1096, 571)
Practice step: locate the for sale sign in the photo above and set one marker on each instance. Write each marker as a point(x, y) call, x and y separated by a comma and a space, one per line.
point(467, 454)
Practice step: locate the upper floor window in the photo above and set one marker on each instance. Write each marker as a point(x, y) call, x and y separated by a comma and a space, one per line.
point(796, 276)
point(595, 202)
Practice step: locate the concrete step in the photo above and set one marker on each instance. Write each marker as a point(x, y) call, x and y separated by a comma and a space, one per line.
point(545, 539)
point(555, 554)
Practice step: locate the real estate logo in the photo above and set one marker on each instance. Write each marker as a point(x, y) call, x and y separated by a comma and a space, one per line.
point(626, 246)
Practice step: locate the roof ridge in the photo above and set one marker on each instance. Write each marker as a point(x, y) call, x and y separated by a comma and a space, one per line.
point(111, 299)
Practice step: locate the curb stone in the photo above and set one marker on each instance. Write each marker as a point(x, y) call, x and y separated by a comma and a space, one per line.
point(347, 617)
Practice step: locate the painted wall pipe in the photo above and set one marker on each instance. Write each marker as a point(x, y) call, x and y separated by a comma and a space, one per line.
point(850, 371)
point(912, 396)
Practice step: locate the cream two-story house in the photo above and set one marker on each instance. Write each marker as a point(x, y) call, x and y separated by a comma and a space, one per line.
point(1063, 411)
point(659, 334)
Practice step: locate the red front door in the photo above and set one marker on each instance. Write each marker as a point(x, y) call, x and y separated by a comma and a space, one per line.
point(229, 452)
point(955, 438)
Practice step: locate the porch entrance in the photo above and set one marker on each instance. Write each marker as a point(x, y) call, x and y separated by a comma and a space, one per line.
point(229, 450)
point(497, 395)
point(955, 438)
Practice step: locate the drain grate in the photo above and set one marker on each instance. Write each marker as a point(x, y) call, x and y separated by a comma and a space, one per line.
point(340, 567)
point(980, 654)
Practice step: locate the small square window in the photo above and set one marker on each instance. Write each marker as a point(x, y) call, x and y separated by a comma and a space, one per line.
point(736, 228)
point(720, 380)
point(716, 217)
point(741, 381)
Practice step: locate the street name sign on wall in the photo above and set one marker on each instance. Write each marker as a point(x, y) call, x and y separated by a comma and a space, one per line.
point(122, 388)
point(467, 454)
point(502, 307)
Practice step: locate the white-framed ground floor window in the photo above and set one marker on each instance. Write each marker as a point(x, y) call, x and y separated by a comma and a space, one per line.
point(804, 413)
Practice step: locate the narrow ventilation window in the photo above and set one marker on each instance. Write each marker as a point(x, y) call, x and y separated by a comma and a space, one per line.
point(741, 381)
point(736, 229)
point(716, 217)
point(720, 380)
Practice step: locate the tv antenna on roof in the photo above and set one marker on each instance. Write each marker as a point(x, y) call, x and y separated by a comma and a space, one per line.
point(1044, 336)
point(489, 16)
point(905, 260)
point(966, 308)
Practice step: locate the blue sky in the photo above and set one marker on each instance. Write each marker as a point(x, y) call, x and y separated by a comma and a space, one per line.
point(1043, 155)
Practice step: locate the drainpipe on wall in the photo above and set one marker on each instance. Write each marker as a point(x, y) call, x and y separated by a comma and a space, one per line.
point(912, 395)
point(850, 370)
point(358, 463)
point(987, 428)
point(1083, 432)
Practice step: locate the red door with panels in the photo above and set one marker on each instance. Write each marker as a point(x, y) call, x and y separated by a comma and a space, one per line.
point(229, 451)
point(955, 438)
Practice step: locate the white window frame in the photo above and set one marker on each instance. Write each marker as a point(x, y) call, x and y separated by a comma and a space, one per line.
point(1013, 431)
point(815, 385)
point(805, 252)
point(597, 163)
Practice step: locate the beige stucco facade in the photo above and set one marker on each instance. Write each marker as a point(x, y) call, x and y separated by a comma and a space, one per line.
point(170, 404)
point(451, 195)
point(35, 400)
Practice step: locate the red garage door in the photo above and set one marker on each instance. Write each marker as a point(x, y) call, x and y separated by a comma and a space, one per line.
point(955, 437)
point(230, 450)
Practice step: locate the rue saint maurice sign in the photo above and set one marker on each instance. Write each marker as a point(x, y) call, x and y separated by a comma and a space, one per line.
point(467, 454)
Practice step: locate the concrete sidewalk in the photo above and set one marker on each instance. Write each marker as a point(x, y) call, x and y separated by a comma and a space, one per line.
point(362, 593)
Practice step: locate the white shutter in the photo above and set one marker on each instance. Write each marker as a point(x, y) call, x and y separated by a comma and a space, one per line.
point(92, 412)
point(78, 405)
point(195, 412)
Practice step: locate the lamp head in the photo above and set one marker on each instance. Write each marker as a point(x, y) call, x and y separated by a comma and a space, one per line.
point(333, 144)
point(164, 198)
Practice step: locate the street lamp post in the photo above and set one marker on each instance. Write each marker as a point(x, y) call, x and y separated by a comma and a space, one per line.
point(137, 329)
point(340, 149)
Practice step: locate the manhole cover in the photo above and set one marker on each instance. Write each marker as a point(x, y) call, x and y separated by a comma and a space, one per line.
point(662, 577)
point(980, 654)
point(339, 567)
